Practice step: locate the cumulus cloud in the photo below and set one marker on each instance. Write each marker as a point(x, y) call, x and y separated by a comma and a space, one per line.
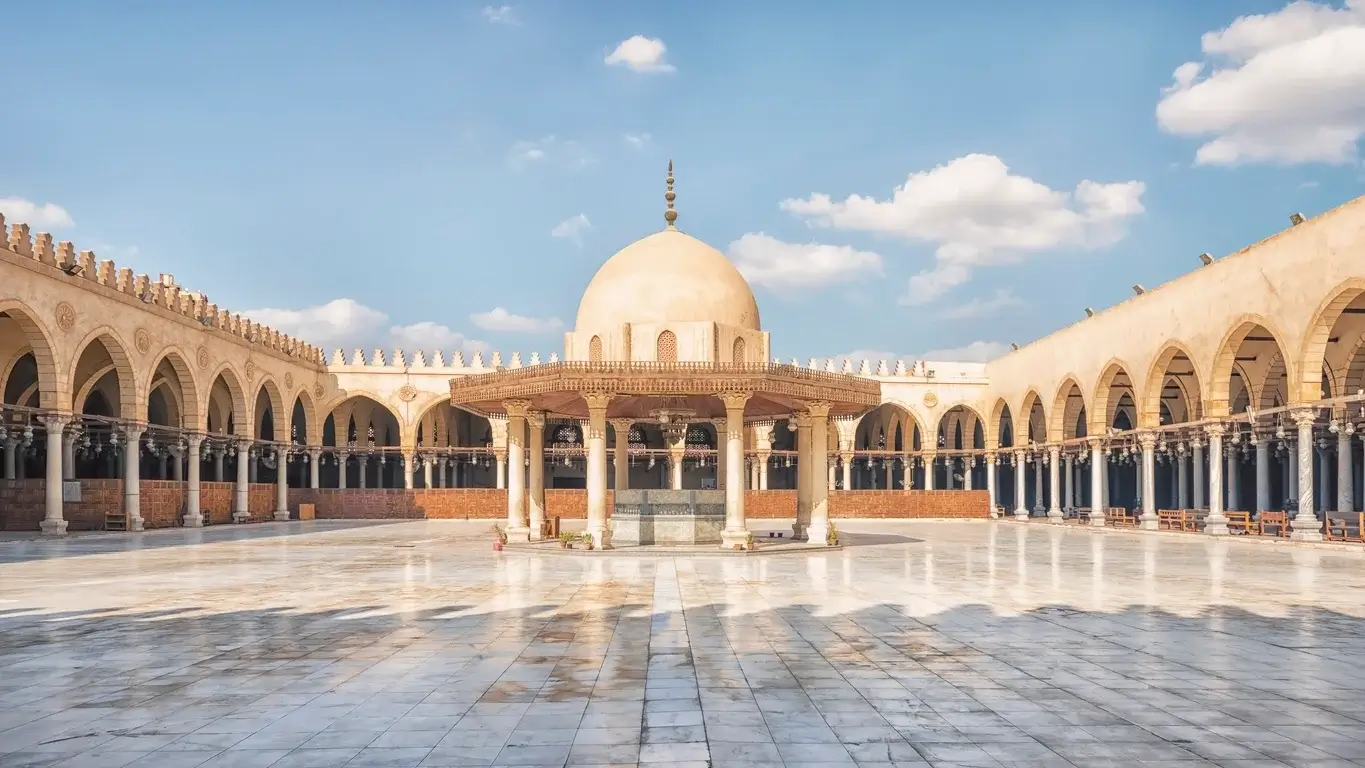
point(979, 214)
point(549, 150)
point(641, 54)
point(638, 140)
point(17, 210)
point(1283, 87)
point(1003, 299)
point(348, 324)
point(976, 352)
point(572, 229)
point(500, 320)
point(501, 14)
point(767, 261)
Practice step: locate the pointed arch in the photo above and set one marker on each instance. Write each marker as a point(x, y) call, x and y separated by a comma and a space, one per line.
point(312, 425)
point(1320, 326)
point(114, 347)
point(280, 416)
point(1031, 414)
point(965, 417)
point(1189, 384)
point(236, 399)
point(1000, 426)
point(595, 349)
point(1220, 372)
point(666, 347)
point(1064, 410)
point(1114, 382)
point(50, 382)
point(191, 416)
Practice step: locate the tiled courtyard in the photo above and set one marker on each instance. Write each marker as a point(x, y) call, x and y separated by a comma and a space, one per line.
point(947, 644)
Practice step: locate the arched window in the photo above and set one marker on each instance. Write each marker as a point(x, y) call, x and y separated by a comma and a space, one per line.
point(595, 350)
point(666, 348)
point(737, 355)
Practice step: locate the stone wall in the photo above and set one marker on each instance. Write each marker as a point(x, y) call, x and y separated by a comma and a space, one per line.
point(163, 503)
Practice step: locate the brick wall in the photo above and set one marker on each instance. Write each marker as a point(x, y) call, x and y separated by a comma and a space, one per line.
point(909, 504)
point(216, 499)
point(163, 502)
point(769, 504)
point(22, 503)
point(432, 504)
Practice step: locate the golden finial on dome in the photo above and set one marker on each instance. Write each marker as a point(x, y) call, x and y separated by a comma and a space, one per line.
point(670, 215)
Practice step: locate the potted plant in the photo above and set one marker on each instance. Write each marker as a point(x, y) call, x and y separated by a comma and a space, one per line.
point(587, 540)
point(567, 539)
point(501, 537)
point(749, 543)
point(832, 537)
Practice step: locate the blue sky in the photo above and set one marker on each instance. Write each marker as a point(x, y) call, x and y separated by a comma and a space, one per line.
point(415, 158)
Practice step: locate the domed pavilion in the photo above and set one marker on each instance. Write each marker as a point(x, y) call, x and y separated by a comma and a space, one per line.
point(668, 333)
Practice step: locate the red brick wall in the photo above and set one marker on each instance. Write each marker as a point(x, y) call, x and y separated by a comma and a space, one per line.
point(163, 502)
point(22, 503)
point(909, 504)
point(217, 499)
point(260, 502)
point(769, 504)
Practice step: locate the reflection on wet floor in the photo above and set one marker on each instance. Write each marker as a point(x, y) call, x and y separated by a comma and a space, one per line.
point(933, 643)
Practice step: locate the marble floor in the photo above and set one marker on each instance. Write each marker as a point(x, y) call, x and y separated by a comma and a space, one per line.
point(933, 643)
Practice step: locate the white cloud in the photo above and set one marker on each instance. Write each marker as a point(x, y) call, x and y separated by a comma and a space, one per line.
point(500, 320)
point(980, 214)
point(767, 261)
point(1284, 87)
point(17, 210)
point(1000, 301)
point(638, 140)
point(501, 14)
point(348, 324)
point(549, 150)
point(641, 54)
point(572, 229)
point(976, 352)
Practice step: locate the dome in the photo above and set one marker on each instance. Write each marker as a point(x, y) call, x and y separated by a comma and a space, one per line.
point(667, 277)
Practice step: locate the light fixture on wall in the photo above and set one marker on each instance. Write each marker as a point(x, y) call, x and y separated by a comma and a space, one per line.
point(72, 269)
point(1296, 219)
point(1206, 259)
point(1089, 312)
point(1138, 289)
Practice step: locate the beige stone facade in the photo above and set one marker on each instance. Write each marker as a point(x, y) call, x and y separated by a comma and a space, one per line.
point(1263, 346)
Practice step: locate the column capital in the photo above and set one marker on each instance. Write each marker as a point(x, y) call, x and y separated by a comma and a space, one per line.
point(55, 421)
point(1147, 440)
point(1215, 430)
point(194, 441)
point(817, 409)
point(622, 425)
point(1095, 443)
point(1304, 417)
point(516, 409)
point(734, 401)
point(991, 457)
point(802, 420)
point(597, 401)
point(535, 419)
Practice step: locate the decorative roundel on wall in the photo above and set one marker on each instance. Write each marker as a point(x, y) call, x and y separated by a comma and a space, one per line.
point(930, 399)
point(201, 357)
point(66, 316)
point(289, 382)
point(407, 393)
point(250, 370)
point(319, 390)
point(142, 340)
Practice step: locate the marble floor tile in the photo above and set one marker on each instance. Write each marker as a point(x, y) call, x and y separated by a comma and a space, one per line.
point(977, 643)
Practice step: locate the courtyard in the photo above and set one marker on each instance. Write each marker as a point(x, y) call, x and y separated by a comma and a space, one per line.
point(919, 643)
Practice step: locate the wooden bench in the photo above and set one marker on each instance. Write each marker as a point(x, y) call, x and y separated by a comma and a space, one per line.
point(1276, 520)
point(1240, 522)
point(115, 521)
point(1170, 519)
point(1083, 514)
point(1339, 530)
point(1119, 518)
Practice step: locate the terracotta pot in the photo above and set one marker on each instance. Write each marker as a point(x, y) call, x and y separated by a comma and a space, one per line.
point(497, 546)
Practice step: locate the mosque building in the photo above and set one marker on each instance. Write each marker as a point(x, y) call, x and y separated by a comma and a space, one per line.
point(1217, 402)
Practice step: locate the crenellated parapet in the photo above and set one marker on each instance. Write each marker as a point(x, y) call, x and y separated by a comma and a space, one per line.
point(85, 271)
point(922, 370)
point(436, 361)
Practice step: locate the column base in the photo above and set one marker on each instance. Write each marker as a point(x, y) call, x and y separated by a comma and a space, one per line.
point(734, 537)
point(798, 531)
point(135, 525)
point(1147, 524)
point(601, 538)
point(1098, 520)
point(1055, 517)
point(1216, 526)
point(53, 527)
point(1311, 534)
point(817, 534)
point(240, 517)
point(517, 534)
point(1020, 514)
point(281, 515)
point(195, 520)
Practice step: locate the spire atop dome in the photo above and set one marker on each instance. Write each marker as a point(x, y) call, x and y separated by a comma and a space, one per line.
point(670, 215)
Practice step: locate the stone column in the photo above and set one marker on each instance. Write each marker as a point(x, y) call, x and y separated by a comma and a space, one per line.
point(753, 474)
point(1262, 473)
point(1182, 494)
point(1198, 468)
point(968, 462)
point(428, 480)
point(1054, 468)
point(804, 460)
point(1293, 469)
point(1305, 525)
point(11, 463)
point(1099, 468)
point(69, 453)
point(991, 496)
point(817, 532)
point(54, 521)
point(597, 468)
point(1069, 495)
point(500, 469)
point(535, 497)
point(409, 459)
point(218, 471)
point(132, 477)
point(846, 460)
point(676, 437)
point(241, 511)
point(342, 457)
point(1232, 456)
point(1216, 524)
point(719, 466)
point(907, 472)
point(1038, 481)
point(621, 453)
point(736, 531)
point(362, 463)
point(314, 468)
point(1148, 520)
point(517, 529)
point(253, 471)
point(177, 463)
point(281, 485)
point(194, 517)
point(1345, 474)
point(763, 458)
point(832, 480)
point(1020, 488)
